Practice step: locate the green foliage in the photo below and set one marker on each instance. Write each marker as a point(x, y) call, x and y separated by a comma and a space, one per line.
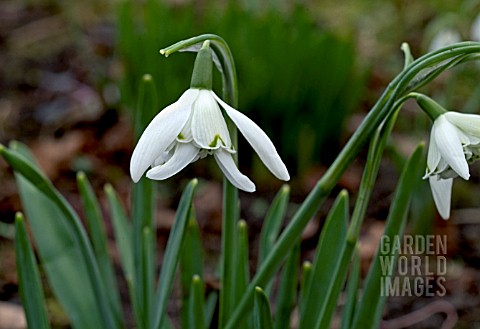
point(325, 265)
point(261, 312)
point(66, 252)
point(31, 290)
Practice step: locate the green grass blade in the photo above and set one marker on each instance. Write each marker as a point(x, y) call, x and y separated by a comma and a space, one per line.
point(197, 304)
point(66, 252)
point(122, 231)
point(171, 257)
point(287, 293)
point(31, 292)
point(371, 305)
point(273, 222)
point(143, 211)
point(352, 295)
point(230, 218)
point(98, 237)
point(262, 317)
point(304, 283)
point(191, 263)
point(210, 306)
point(325, 262)
point(143, 254)
point(377, 145)
point(147, 106)
point(241, 269)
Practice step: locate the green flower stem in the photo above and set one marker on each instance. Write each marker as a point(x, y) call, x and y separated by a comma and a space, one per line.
point(384, 107)
point(220, 47)
point(230, 193)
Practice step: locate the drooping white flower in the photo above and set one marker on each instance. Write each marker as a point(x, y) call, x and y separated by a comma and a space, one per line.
point(454, 144)
point(194, 127)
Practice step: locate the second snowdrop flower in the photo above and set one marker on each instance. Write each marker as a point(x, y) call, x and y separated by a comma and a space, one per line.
point(454, 144)
point(194, 127)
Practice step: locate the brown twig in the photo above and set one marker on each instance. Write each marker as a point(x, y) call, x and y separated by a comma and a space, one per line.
point(424, 313)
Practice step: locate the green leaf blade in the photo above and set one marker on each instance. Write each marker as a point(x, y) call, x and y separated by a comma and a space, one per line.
point(197, 304)
point(325, 264)
point(287, 293)
point(98, 236)
point(31, 291)
point(261, 312)
point(64, 247)
point(171, 257)
point(191, 263)
point(371, 305)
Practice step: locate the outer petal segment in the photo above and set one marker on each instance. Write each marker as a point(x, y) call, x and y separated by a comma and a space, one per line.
point(258, 139)
point(184, 154)
point(230, 170)
point(469, 123)
point(442, 193)
point(160, 133)
point(449, 145)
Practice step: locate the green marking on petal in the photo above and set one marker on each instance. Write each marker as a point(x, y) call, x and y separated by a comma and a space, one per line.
point(215, 141)
point(180, 137)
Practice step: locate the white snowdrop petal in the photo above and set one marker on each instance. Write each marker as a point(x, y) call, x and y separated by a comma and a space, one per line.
point(182, 156)
point(442, 193)
point(229, 168)
point(434, 156)
point(160, 133)
point(209, 128)
point(468, 123)
point(450, 146)
point(258, 139)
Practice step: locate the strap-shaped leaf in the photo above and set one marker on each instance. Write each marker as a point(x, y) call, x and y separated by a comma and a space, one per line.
point(273, 222)
point(31, 291)
point(143, 213)
point(197, 304)
point(241, 269)
point(352, 292)
point(191, 263)
point(171, 257)
point(287, 292)
point(63, 244)
point(98, 237)
point(369, 312)
point(262, 317)
point(327, 257)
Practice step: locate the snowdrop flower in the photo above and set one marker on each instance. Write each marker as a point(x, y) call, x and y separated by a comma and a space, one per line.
point(194, 127)
point(454, 144)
